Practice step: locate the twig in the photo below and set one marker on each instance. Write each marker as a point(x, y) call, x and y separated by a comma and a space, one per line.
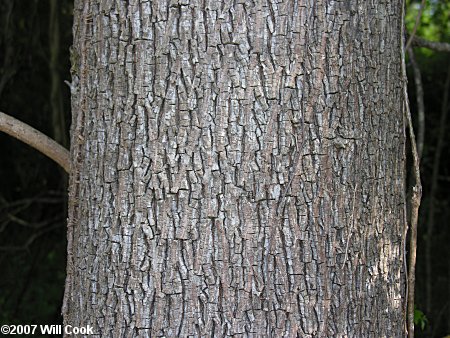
point(31, 239)
point(434, 45)
point(35, 139)
point(416, 25)
point(27, 224)
point(420, 103)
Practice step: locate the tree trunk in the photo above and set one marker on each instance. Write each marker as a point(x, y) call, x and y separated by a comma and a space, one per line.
point(238, 169)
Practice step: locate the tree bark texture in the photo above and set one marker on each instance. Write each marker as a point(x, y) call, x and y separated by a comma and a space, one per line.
point(238, 169)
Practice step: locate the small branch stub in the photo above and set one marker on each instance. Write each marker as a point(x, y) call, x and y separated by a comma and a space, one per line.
point(35, 139)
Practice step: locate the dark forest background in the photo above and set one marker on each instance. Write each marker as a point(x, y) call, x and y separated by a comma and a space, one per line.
point(35, 36)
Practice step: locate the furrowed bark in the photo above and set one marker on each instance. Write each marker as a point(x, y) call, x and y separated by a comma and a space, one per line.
point(241, 171)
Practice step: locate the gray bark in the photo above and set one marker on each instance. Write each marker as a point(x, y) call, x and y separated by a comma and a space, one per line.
point(238, 169)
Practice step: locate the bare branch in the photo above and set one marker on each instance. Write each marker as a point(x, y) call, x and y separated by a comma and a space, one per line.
point(35, 139)
point(420, 102)
point(434, 45)
point(30, 239)
point(415, 198)
point(415, 205)
point(416, 25)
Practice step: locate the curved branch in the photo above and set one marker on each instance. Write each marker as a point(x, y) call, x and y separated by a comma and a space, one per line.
point(35, 139)
point(437, 46)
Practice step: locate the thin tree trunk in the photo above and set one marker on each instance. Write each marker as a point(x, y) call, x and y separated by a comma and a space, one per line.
point(238, 169)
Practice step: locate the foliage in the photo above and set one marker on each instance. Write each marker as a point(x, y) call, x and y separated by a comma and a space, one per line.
point(419, 318)
point(434, 22)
